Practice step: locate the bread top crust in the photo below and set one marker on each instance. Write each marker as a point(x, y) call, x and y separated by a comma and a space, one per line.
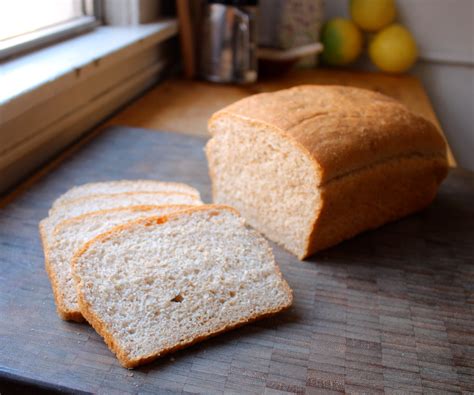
point(343, 128)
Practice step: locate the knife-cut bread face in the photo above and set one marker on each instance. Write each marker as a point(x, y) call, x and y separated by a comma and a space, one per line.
point(71, 234)
point(311, 166)
point(60, 241)
point(159, 284)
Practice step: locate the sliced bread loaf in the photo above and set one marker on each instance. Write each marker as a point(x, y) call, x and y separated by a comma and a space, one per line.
point(113, 187)
point(71, 234)
point(314, 165)
point(160, 284)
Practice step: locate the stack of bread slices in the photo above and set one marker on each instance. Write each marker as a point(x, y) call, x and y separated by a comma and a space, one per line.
point(153, 269)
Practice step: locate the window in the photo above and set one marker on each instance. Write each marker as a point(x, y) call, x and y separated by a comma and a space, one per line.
point(29, 24)
point(68, 82)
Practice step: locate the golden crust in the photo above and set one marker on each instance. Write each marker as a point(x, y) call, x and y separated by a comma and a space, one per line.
point(101, 327)
point(342, 128)
point(370, 198)
point(62, 311)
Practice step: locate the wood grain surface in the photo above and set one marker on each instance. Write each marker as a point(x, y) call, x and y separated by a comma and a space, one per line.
point(184, 106)
point(390, 311)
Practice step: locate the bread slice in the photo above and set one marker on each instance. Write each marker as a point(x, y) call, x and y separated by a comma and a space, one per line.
point(121, 186)
point(86, 205)
point(73, 208)
point(160, 284)
point(314, 165)
point(71, 234)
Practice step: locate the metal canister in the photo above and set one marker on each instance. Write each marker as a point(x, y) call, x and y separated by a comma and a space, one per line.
point(228, 42)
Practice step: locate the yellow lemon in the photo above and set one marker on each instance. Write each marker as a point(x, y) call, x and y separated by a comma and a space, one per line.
point(372, 15)
point(393, 49)
point(342, 42)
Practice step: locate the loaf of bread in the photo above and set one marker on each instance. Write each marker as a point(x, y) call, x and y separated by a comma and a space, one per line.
point(313, 165)
point(163, 283)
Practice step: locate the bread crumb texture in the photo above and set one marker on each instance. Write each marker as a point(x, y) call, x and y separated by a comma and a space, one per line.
point(151, 287)
point(70, 235)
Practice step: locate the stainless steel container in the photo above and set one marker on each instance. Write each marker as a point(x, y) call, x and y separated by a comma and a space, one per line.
point(228, 42)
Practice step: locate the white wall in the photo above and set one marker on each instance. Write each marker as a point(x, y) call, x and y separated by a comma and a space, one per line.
point(451, 89)
point(444, 30)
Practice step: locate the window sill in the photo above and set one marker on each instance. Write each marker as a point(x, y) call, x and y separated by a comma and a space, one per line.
point(32, 78)
point(51, 97)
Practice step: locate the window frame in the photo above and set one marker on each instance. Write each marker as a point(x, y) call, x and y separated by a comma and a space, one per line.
point(48, 35)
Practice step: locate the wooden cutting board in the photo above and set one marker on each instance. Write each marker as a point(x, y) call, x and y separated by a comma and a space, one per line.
point(391, 310)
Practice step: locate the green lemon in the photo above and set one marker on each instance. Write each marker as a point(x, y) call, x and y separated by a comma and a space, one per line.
point(342, 42)
point(393, 49)
point(372, 15)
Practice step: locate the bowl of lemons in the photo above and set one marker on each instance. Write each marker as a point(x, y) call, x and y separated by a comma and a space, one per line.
point(372, 27)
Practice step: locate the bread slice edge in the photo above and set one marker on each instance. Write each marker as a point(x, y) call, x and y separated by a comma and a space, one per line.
point(72, 202)
point(180, 187)
point(64, 313)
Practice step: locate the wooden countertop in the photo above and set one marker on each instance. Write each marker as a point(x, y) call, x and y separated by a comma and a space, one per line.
point(184, 106)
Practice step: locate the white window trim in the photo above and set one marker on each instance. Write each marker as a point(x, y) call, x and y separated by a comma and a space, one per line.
point(42, 37)
point(34, 40)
